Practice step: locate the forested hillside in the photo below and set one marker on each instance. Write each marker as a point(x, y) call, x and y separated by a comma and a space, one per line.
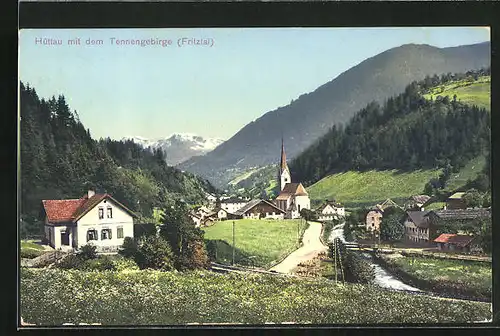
point(312, 114)
point(59, 160)
point(407, 133)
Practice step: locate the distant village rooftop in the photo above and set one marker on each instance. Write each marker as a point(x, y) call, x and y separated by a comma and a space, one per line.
point(463, 213)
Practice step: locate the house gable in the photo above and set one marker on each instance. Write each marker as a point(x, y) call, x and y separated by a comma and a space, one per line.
point(118, 213)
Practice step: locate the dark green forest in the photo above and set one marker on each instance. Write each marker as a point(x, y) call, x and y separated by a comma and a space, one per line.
point(407, 133)
point(60, 160)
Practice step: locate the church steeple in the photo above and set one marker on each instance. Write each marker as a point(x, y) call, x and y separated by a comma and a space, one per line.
point(284, 173)
point(283, 165)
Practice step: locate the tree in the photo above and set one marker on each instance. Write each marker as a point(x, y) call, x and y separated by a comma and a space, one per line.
point(182, 235)
point(473, 198)
point(88, 252)
point(485, 236)
point(391, 229)
point(308, 215)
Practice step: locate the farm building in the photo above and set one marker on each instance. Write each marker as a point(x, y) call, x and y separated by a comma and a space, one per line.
point(456, 242)
point(456, 201)
point(416, 202)
point(260, 209)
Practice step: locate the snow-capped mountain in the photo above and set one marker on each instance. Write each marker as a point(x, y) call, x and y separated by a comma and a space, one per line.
point(179, 146)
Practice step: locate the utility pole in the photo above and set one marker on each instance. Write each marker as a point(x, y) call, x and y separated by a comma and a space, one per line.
point(335, 256)
point(233, 243)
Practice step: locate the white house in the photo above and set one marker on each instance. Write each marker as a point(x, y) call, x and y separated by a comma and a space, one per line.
point(293, 197)
point(330, 210)
point(232, 204)
point(96, 219)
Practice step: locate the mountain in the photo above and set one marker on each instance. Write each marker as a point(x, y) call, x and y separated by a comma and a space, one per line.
point(311, 115)
point(179, 147)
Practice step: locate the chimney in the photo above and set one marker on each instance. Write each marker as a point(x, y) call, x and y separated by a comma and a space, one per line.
point(90, 193)
point(422, 209)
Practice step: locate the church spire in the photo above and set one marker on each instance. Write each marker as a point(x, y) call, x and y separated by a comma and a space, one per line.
point(283, 165)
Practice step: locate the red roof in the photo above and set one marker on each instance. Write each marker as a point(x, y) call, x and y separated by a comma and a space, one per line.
point(71, 210)
point(460, 240)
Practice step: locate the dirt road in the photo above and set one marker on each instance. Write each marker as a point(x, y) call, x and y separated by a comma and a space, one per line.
point(312, 246)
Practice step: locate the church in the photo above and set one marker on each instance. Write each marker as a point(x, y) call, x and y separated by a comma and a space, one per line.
point(293, 197)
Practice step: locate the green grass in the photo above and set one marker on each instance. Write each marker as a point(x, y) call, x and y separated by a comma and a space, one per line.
point(467, 91)
point(472, 275)
point(30, 245)
point(53, 297)
point(360, 189)
point(266, 241)
point(468, 172)
point(435, 206)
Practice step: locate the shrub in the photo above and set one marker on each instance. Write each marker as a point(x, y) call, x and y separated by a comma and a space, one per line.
point(154, 252)
point(72, 261)
point(120, 264)
point(129, 248)
point(103, 263)
point(30, 254)
point(88, 252)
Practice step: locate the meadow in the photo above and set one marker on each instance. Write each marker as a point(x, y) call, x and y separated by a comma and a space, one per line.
point(467, 91)
point(53, 297)
point(360, 189)
point(459, 275)
point(257, 242)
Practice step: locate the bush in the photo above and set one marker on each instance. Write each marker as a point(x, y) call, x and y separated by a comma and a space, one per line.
point(154, 252)
point(120, 264)
point(129, 248)
point(88, 252)
point(103, 263)
point(72, 261)
point(30, 254)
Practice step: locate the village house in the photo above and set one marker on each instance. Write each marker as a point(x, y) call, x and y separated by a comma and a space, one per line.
point(457, 242)
point(196, 219)
point(260, 209)
point(232, 204)
point(293, 197)
point(417, 227)
point(330, 210)
point(374, 218)
point(456, 201)
point(416, 202)
point(96, 219)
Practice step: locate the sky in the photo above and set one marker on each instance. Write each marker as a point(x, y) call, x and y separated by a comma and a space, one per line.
point(211, 89)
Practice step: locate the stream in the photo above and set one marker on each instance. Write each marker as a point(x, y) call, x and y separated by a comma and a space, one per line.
point(382, 277)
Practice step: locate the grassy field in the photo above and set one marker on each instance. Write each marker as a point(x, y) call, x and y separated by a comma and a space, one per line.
point(468, 172)
point(358, 189)
point(469, 92)
point(257, 242)
point(475, 276)
point(53, 297)
point(30, 245)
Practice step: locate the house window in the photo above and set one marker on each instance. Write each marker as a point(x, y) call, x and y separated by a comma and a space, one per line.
point(119, 232)
point(105, 234)
point(299, 207)
point(101, 213)
point(110, 212)
point(91, 234)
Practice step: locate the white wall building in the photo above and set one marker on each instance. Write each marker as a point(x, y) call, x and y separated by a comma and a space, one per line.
point(96, 219)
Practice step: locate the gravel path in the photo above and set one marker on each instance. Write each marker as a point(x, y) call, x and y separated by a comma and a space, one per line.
point(311, 247)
